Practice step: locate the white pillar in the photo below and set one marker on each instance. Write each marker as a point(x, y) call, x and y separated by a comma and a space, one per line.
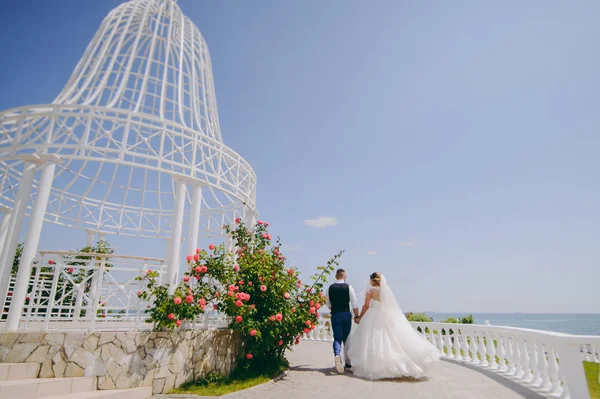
point(173, 265)
point(251, 216)
point(36, 221)
point(4, 225)
point(89, 238)
point(194, 227)
point(15, 226)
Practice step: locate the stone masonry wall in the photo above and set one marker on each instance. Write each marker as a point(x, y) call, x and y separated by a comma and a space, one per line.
point(162, 360)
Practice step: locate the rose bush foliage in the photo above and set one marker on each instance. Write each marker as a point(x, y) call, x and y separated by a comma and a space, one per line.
point(264, 299)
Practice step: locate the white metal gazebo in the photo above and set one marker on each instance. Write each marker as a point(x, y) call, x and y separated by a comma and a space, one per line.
point(132, 141)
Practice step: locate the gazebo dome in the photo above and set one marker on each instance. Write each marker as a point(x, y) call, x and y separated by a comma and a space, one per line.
point(138, 113)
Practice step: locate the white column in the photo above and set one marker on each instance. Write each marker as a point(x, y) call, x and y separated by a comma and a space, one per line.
point(36, 221)
point(15, 226)
point(173, 265)
point(89, 238)
point(251, 216)
point(192, 238)
point(4, 225)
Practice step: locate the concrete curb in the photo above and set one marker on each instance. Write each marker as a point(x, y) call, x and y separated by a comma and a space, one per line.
point(194, 396)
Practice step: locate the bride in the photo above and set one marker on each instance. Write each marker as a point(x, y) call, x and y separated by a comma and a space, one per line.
point(384, 344)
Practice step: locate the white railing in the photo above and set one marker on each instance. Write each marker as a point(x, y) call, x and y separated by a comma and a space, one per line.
point(546, 362)
point(90, 292)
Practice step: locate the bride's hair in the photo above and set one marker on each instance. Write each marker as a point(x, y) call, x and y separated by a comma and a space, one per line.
point(376, 277)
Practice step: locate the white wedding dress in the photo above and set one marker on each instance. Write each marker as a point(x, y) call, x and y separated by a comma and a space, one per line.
point(384, 344)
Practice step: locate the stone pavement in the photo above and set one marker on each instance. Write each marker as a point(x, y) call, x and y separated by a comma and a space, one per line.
point(312, 375)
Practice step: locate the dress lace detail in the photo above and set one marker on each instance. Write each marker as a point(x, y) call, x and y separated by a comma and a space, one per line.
point(384, 344)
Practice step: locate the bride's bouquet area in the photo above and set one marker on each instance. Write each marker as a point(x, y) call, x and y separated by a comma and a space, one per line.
point(264, 299)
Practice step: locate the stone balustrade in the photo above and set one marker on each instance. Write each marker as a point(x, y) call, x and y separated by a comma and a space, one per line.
point(547, 362)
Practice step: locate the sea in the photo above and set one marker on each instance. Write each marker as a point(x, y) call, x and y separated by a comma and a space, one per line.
point(569, 323)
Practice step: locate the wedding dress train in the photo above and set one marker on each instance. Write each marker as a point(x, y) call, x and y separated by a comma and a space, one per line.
point(384, 344)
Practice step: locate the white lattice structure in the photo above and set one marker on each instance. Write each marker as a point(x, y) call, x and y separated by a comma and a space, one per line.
point(132, 138)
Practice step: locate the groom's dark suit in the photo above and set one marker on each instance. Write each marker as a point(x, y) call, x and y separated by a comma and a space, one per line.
point(339, 296)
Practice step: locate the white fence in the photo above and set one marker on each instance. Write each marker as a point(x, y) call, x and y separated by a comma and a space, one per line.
point(547, 362)
point(89, 292)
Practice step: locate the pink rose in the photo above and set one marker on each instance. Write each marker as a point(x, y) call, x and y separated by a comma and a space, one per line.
point(291, 271)
point(202, 301)
point(139, 293)
point(238, 220)
point(307, 322)
point(279, 343)
point(178, 323)
point(189, 258)
point(203, 269)
point(238, 319)
point(311, 303)
point(186, 278)
point(286, 295)
point(230, 293)
point(236, 268)
point(318, 305)
point(171, 316)
point(198, 250)
point(318, 315)
point(269, 236)
point(249, 356)
point(278, 317)
point(237, 295)
point(196, 257)
point(313, 327)
point(211, 247)
point(252, 333)
point(306, 330)
point(238, 303)
point(259, 222)
point(250, 283)
point(263, 288)
point(215, 306)
point(189, 299)
point(261, 278)
point(293, 310)
point(148, 271)
point(272, 318)
point(264, 235)
point(197, 269)
point(266, 224)
point(177, 300)
point(312, 310)
point(231, 287)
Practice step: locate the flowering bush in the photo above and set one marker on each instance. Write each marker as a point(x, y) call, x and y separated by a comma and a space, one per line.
point(266, 301)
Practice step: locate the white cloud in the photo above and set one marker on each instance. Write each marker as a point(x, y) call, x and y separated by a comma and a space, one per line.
point(321, 222)
point(371, 253)
point(409, 243)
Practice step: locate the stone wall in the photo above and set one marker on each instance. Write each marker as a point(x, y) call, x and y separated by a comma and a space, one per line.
point(162, 360)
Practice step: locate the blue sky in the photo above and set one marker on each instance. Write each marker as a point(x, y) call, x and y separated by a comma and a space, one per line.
point(455, 143)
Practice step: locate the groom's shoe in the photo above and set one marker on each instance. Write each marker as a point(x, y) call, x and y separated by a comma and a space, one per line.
point(347, 366)
point(338, 364)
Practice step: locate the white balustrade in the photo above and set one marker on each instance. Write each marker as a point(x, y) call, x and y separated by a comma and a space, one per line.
point(547, 362)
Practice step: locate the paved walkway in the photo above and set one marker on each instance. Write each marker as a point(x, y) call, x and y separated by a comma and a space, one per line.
point(312, 375)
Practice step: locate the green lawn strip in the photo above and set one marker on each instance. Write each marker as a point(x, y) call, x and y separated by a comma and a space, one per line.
point(214, 385)
point(592, 376)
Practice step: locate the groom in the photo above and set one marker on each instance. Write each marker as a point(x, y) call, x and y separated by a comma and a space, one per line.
point(338, 299)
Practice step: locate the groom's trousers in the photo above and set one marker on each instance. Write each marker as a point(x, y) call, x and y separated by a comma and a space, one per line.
point(341, 323)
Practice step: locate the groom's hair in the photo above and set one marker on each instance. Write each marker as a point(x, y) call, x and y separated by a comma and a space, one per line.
point(340, 273)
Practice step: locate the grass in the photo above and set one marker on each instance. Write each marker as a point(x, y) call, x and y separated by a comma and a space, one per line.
point(592, 376)
point(214, 385)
